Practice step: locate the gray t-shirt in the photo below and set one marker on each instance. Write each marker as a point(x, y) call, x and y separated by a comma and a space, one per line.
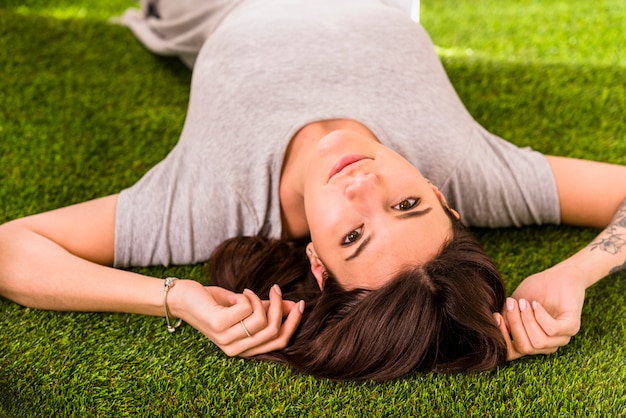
point(269, 67)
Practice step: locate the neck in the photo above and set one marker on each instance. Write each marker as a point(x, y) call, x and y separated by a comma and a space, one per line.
point(300, 148)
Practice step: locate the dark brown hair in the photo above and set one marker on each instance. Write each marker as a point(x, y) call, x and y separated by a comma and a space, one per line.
point(431, 317)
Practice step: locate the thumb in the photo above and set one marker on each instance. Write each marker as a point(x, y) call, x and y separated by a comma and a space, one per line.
point(566, 323)
point(221, 296)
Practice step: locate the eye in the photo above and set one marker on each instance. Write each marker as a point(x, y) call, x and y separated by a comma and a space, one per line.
point(352, 237)
point(406, 204)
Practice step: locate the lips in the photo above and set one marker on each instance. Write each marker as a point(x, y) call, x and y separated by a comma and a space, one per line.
point(344, 162)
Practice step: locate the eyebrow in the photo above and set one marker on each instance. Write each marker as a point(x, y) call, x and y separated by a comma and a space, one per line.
point(405, 215)
point(360, 248)
point(414, 213)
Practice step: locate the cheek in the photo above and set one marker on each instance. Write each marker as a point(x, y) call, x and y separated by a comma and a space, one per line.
point(326, 219)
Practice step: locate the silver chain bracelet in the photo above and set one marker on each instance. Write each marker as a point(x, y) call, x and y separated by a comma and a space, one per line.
point(169, 283)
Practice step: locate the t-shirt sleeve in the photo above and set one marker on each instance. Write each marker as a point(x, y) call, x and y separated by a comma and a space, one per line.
point(498, 184)
point(177, 27)
point(178, 215)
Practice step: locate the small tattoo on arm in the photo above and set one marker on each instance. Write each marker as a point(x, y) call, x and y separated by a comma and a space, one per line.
point(613, 238)
point(612, 244)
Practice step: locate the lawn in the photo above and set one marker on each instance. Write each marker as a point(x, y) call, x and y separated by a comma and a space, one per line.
point(85, 111)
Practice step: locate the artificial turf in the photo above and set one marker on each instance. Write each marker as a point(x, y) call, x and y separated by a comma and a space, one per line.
point(85, 111)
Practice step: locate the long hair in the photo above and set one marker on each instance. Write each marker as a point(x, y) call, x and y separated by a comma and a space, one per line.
point(431, 317)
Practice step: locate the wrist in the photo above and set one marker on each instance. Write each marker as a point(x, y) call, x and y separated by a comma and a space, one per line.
point(176, 297)
point(171, 323)
point(580, 270)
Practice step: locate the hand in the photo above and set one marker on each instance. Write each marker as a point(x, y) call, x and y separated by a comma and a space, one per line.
point(544, 312)
point(217, 313)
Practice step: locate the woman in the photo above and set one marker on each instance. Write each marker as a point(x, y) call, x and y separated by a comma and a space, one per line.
point(347, 108)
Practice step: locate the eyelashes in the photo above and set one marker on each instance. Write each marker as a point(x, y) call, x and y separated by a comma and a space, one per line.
point(407, 204)
point(356, 234)
point(352, 236)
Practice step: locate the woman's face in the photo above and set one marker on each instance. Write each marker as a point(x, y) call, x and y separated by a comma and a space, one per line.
point(370, 212)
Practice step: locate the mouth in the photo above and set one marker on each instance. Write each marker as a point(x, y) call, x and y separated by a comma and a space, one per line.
point(344, 162)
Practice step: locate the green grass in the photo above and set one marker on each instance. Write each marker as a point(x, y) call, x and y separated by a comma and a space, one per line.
point(85, 111)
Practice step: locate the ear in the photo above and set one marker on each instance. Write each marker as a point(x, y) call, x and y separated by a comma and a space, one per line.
point(444, 202)
point(317, 268)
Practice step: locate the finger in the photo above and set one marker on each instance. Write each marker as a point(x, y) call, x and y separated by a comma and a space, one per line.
point(287, 330)
point(227, 315)
point(222, 296)
point(255, 328)
point(540, 342)
point(562, 326)
point(275, 334)
point(258, 319)
point(515, 324)
point(242, 330)
point(216, 320)
point(243, 327)
point(549, 325)
point(287, 305)
point(224, 323)
point(225, 298)
point(513, 319)
point(275, 311)
point(272, 322)
point(511, 353)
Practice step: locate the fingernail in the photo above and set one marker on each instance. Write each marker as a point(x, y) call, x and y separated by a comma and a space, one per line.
point(534, 304)
point(497, 318)
point(510, 304)
point(248, 291)
point(522, 305)
point(301, 306)
point(277, 289)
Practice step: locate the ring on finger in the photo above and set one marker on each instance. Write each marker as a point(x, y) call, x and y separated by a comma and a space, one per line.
point(245, 329)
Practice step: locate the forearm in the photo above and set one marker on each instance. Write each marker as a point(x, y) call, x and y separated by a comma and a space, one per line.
point(604, 255)
point(37, 272)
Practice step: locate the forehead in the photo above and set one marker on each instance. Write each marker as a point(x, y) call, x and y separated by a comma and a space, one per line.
point(393, 248)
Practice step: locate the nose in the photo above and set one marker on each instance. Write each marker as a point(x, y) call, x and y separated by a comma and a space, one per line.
point(362, 187)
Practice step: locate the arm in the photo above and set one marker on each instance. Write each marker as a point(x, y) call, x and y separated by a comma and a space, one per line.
point(589, 192)
point(544, 311)
point(61, 260)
